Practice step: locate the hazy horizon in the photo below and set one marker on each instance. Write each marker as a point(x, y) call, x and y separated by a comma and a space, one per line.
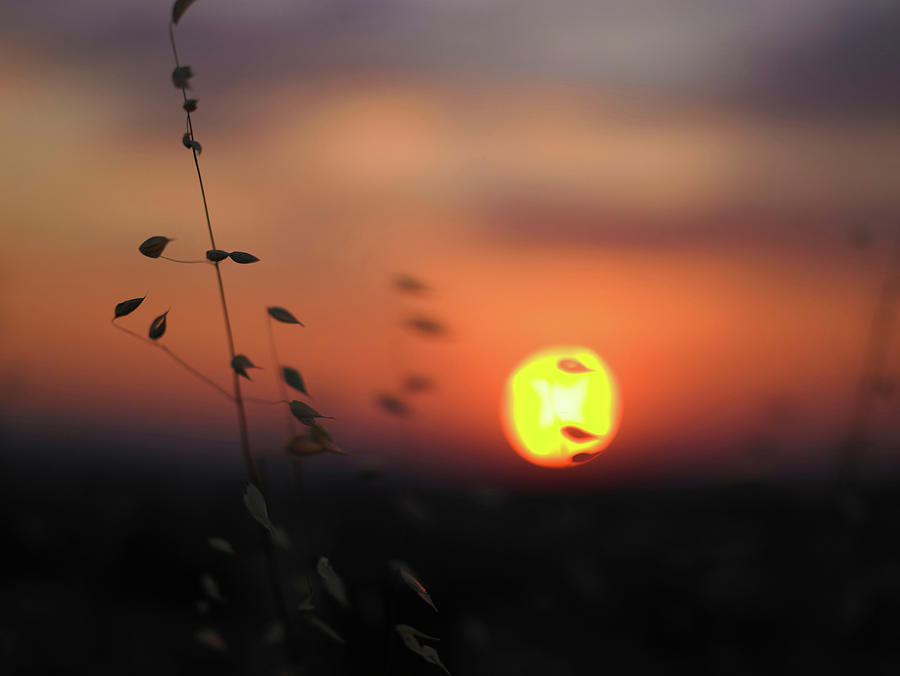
point(626, 176)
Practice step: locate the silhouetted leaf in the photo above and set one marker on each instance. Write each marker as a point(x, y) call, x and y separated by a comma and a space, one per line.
point(126, 307)
point(211, 588)
point(216, 255)
point(211, 639)
point(330, 446)
point(179, 8)
point(427, 326)
point(575, 433)
point(324, 628)
point(304, 412)
point(256, 505)
point(302, 444)
point(282, 315)
point(334, 585)
point(188, 142)
point(431, 656)
point(190, 105)
point(201, 607)
point(319, 434)
point(392, 404)
point(181, 77)
point(410, 641)
point(406, 629)
point(306, 605)
point(572, 366)
point(409, 284)
point(410, 638)
point(293, 378)
point(242, 257)
point(221, 544)
point(316, 441)
point(417, 383)
point(417, 587)
point(158, 326)
point(241, 363)
point(153, 247)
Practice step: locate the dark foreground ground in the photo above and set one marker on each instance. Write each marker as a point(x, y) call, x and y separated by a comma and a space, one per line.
point(102, 567)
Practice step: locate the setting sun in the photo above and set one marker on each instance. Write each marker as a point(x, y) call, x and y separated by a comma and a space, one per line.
point(561, 407)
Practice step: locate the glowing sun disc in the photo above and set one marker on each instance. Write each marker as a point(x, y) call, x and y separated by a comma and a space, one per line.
point(561, 407)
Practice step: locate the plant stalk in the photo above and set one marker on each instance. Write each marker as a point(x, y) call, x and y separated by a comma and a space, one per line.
point(874, 362)
point(252, 468)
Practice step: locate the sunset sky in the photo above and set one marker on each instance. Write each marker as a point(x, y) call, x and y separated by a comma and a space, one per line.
point(674, 185)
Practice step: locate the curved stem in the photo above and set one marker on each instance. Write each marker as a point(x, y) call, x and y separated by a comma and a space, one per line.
point(178, 359)
point(178, 260)
point(252, 469)
point(172, 40)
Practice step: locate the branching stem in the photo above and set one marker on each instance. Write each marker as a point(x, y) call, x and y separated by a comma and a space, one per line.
point(252, 469)
point(178, 260)
point(221, 390)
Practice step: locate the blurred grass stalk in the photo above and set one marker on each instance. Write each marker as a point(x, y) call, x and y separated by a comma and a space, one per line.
point(872, 379)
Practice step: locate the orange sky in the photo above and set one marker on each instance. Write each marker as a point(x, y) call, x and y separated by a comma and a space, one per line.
point(701, 250)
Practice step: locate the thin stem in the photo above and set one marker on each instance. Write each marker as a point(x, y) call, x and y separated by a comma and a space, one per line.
point(178, 260)
point(172, 40)
point(282, 388)
point(178, 359)
point(252, 469)
point(212, 239)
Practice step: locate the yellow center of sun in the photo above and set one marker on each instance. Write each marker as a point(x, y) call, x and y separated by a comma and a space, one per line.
point(560, 407)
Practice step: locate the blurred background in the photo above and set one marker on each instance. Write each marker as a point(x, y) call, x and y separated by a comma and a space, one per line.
point(703, 192)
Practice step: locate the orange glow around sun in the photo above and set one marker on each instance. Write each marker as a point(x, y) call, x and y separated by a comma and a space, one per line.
point(561, 407)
